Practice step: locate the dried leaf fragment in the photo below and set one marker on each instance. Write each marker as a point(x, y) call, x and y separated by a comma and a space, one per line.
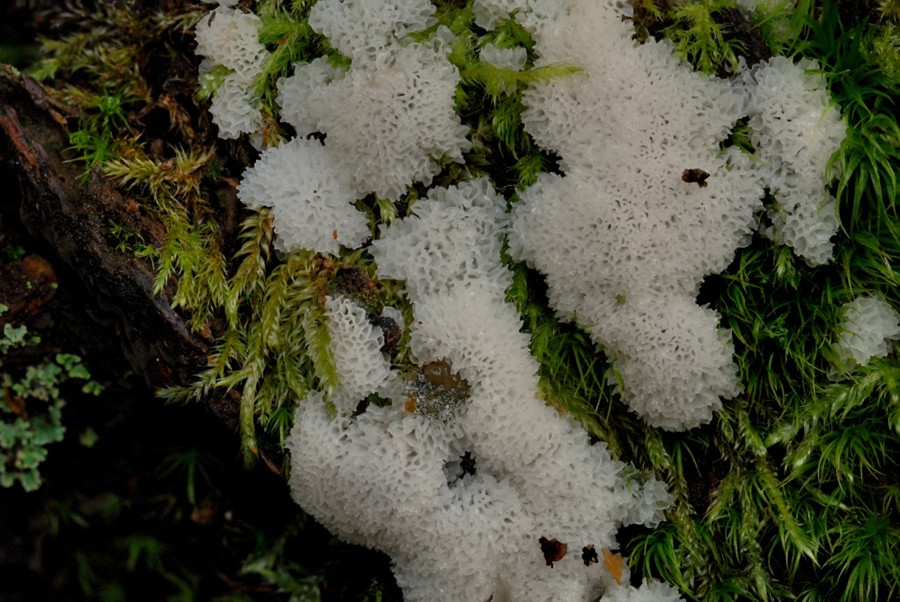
point(615, 564)
point(553, 550)
point(695, 176)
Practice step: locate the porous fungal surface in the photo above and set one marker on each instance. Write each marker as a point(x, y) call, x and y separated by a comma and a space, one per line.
point(639, 238)
point(640, 232)
point(868, 325)
point(390, 478)
point(797, 129)
point(228, 38)
point(310, 196)
point(486, 492)
point(397, 95)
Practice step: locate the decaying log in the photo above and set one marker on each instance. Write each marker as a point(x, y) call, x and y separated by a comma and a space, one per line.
point(74, 218)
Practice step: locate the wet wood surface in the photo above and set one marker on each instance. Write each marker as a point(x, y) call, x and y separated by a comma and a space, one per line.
point(73, 216)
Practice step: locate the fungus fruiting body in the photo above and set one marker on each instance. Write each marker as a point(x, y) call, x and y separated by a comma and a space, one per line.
point(647, 202)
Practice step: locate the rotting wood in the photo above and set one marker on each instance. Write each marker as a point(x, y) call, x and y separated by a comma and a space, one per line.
point(74, 218)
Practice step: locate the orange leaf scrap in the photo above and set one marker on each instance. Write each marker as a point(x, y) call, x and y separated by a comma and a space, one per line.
point(615, 564)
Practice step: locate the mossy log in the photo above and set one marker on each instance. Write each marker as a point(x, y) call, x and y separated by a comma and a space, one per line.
point(73, 217)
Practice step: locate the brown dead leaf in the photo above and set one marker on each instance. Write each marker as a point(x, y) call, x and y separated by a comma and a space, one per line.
point(553, 550)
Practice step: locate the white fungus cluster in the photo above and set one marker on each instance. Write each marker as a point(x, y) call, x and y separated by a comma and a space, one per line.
point(310, 196)
point(355, 344)
point(387, 121)
point(867, 327)
point(453, 239)
point(649, 204)
point(295, 92)
point(649, 591)
point(796, 129)
point(623, 240)
point(230, 38)
point(391, 116)
point(389, 478)
point(364, 30)
point(507, 58)
point(530, 13)
point(652, 497)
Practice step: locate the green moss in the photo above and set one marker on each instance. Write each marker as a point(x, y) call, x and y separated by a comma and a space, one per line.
point(290, 39)
point(699, 37)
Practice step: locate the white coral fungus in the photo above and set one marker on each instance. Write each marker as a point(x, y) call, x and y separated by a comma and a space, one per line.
point(387, 121)
point(506, 58)
point(229, 38)
point(867, 327)
point(638, 237)
point(310, 196)
point(364, 30)
point(453, 238)
point(382, 479)
point(624, 237)
point(355, 344)
point(296, 91)
point(796, 129)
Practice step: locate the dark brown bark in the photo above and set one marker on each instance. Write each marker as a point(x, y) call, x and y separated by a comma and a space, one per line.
point(74, 217)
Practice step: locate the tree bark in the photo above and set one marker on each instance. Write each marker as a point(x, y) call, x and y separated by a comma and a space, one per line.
point(73, 217)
